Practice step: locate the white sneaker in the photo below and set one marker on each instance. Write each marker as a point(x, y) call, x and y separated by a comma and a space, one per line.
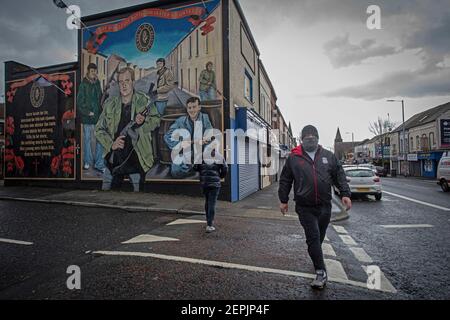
point(210, 229)
point(86, 166)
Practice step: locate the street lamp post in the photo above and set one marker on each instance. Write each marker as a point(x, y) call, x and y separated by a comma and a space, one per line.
point(404, 150)
point(353, 136)
point(353, 143)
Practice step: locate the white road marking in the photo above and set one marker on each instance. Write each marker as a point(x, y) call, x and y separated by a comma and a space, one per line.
point(385, 283)
point(361, 255)
point(185, 221)
point(335, 269)
point(348, 240)
point(328, 250)
point(16, 242)
point(406, 226)
point(418, 201)
point(340, 229)
point(230, 266)
point(386, 199)
point(143, 238)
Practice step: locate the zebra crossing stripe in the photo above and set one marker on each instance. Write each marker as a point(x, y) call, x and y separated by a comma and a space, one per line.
point(385, 284)
point(328, 250)
point(335, 269)
point(361, 255)
point(348, 240)
point(340, 229)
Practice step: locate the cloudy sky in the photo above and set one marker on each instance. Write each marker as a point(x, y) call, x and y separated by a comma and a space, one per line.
point(327, 67)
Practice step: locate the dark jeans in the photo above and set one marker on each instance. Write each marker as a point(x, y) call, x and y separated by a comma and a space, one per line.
point(211, 195)
point(315, 221)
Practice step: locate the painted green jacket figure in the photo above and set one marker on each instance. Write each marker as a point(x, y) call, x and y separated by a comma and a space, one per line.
point(207, 79)
point(88, 104)
point(117, 114)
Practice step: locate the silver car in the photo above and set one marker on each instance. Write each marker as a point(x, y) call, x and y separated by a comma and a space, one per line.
point(363, 181)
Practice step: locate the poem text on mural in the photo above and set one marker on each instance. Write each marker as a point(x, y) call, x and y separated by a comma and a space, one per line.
point(37, 129)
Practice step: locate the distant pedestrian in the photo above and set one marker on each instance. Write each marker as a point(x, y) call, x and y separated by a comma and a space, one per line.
point(313, 171)
point(210, 179)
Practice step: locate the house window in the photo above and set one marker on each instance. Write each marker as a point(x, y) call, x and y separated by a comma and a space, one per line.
point(182, 79)
point(189, 80)
point(190, 47)
point(262, 105)
point(424, 143)
point(417, 142)
point(412, 143)
point(432, 141)
point(196, 52)
point(196, 80)
point(248, 87)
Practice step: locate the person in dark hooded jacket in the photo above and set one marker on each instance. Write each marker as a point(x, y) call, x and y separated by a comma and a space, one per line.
point(314, 171)
point(210, 180)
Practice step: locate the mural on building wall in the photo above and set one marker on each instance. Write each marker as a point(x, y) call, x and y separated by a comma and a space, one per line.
point(154, 71)
point(40, 127)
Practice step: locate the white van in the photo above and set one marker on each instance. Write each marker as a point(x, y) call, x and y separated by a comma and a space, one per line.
point(443, 172)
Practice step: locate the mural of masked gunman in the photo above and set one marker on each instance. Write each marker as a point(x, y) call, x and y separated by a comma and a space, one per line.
point(208, 85)
point(164, 84)
point(88, 102)
point(188, 123)
point(133, 158)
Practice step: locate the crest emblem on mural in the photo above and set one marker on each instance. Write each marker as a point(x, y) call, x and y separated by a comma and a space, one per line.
point(37, 95)
point(145, 37)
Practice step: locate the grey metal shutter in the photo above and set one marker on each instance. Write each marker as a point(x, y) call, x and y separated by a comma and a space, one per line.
point(248, 173)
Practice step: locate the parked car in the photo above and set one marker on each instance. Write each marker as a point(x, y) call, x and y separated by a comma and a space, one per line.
point(362, 180)
point(370, 166)
point(443, 172)
point(381, 171)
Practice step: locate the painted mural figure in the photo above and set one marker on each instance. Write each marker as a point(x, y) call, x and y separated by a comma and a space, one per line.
point(136, 157)
point(89, 95)
point(208, 85)
point(193, 108)
point(164, 84)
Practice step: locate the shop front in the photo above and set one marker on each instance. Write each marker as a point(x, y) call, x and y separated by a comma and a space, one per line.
point(250, 135)
point(429, 162)
point(414, 165)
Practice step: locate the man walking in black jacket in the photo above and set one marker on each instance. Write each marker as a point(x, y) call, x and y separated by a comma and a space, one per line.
point(210, 179)
point(313, 171)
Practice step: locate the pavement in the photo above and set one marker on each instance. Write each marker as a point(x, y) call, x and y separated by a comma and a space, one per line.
point(263, 204)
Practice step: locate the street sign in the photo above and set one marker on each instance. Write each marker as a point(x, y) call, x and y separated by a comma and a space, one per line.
point(413, 157)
